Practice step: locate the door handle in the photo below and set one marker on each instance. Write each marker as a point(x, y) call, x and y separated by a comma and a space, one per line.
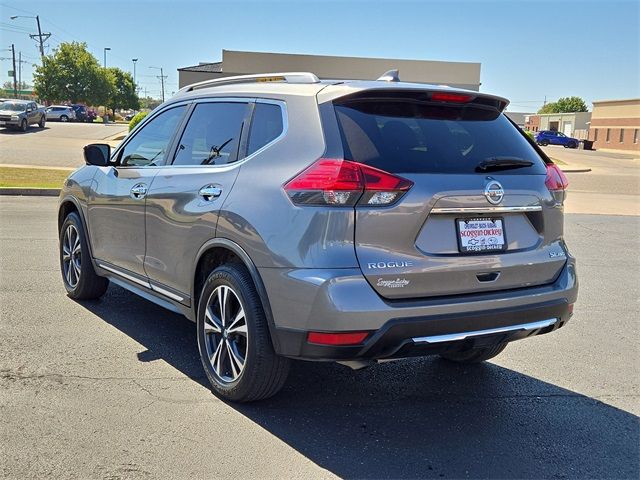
point(210, 192)
point(139, 191)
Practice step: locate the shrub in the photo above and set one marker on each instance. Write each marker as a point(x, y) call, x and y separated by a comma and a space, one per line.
point(531, 135)
point(137, 119)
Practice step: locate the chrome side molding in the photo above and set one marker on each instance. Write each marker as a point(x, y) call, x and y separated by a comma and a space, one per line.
point(452, 337)
point(487, 209)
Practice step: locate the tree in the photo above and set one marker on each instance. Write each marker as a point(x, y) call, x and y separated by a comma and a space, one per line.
point(150, 103)
point(72, 74)
point(123, 90)
point(565, 105)
point(8, 85)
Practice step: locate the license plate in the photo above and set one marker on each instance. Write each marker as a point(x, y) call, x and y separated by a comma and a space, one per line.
point(477, 235)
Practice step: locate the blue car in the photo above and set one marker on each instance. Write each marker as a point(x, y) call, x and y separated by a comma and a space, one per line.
point(549, 137)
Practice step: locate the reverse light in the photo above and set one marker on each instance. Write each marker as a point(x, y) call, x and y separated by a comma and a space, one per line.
point(338, 182)
point(341, 338)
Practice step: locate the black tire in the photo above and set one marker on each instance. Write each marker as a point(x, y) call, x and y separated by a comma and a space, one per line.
point(24, 125)
point(573, 145)
point(544, 143)
point(263, 373)
point(475, 355)
point(42, 121)
point(64, 118)
point(89, 285)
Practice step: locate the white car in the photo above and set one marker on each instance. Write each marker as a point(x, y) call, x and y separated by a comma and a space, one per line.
point(60, 112)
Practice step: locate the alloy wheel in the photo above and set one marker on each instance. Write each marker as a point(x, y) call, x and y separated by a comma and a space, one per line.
point(71, 255)
point(226, 334)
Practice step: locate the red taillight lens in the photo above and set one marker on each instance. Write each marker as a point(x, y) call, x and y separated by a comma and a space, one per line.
point(450, 97)
point(556, 179)
point(340, 182)
point(342, 338)
point(557, 183)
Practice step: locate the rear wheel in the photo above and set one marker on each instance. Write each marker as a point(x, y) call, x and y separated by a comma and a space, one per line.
point(64, 118)
point(475, 355)
point(80, 279)
point(42, 121)
point(233, 338)
point(544, 143)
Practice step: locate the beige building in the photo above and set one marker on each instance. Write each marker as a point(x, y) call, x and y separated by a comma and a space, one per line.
point(615, 125)
point(574, 125)
point(455, 74)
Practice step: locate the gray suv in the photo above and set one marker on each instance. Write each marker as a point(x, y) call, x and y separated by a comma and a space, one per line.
point(349, 221)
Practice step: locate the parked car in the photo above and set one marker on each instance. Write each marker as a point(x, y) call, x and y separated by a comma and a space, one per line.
point(81, 112)
point(91, 115)
point(349, 221)
point(550, 137)
point(19, 114)
point(63, 113)
point(129, 116)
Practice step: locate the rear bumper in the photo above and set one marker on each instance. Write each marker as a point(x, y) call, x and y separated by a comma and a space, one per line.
point(342, 300)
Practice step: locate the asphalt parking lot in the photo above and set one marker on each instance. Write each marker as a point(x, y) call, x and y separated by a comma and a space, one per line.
point(114, 388)
point(57, 145)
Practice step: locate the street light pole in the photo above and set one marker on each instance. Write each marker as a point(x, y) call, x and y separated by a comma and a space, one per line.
point(135, 85)
point(15, 84)
point(105, 56)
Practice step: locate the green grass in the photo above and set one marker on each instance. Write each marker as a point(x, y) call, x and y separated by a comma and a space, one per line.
point(18, 177)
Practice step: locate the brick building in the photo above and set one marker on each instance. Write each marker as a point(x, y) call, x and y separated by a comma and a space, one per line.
point(615, 125)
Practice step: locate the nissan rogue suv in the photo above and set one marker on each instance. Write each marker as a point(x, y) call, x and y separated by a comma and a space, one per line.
point(349, 221)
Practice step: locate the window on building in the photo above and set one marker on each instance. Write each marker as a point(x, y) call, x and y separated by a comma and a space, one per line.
point(635, 136)
point(608, 135)
point(622, 135)
point(595, 135)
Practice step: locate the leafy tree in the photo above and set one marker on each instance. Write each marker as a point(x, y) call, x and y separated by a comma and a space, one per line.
point(565, 105)
point(8, 85)
point(150, 103)
point(123, 90)
point(72, 74)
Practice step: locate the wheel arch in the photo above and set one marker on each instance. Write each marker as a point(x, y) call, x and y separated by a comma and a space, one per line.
point(218, 251)
point(68, 205)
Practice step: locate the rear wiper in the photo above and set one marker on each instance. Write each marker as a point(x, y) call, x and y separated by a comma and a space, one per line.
point(502, 163)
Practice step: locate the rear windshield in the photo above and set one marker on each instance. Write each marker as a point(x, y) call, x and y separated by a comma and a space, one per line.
point(401, 136)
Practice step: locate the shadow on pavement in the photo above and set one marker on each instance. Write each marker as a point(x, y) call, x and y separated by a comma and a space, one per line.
point(419, 418)
point(31, 129)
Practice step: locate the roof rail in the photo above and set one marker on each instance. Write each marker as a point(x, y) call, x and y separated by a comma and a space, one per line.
point(288, 77)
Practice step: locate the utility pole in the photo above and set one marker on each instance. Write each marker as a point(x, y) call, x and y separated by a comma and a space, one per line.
point(39, 37)
point(105, 56)
point(20, 70)
point(15, 84)
point(161, 77)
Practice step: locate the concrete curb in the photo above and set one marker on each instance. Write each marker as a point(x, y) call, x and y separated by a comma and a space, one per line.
point(34, 192)
point(576, 170)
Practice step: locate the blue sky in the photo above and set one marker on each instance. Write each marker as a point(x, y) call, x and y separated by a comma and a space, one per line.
point(528, 49)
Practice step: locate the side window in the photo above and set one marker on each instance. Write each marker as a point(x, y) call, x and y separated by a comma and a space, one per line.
point(266, 126)
point(149, 145)
point(212, 134)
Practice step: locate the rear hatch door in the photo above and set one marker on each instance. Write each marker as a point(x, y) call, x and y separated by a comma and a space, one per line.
point(478, 217)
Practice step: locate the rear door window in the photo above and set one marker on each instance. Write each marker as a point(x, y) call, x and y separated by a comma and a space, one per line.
point(212, 134)
point(401, 136)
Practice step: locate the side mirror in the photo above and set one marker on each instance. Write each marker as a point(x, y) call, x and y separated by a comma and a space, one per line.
point(97, 154)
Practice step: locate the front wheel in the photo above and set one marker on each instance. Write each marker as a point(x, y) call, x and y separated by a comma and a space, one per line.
point(80, 279)
point(64, 118)
point(233, 338)
point(475, 355)
point(24, 125)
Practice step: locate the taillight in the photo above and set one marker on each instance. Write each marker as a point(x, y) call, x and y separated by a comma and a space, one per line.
point(338, 182)
point(556, 182)
point(337, 338)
